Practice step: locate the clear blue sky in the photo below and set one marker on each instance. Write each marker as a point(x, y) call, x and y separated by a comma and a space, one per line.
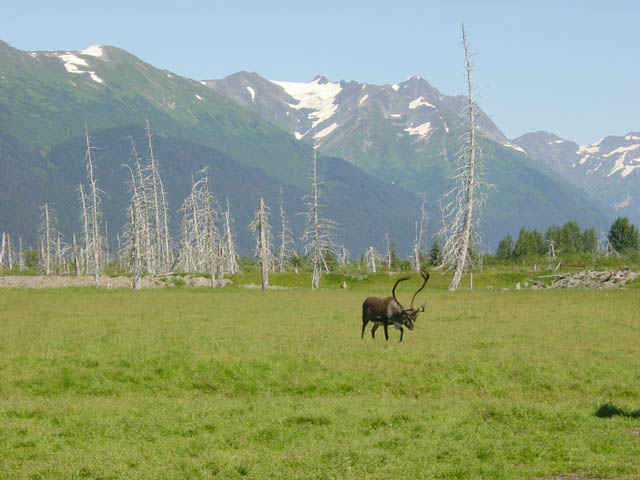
point(569, 67)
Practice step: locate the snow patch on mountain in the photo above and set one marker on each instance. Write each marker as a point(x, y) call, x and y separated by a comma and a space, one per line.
point(317, 95)
point(513, 146)
point(326, 131)
point(621, 150)
point(94, 51)
point(624, 203)
point(363, 99)
point(395, 87)
point(252, 92)
point(621, 164)
point(72, 62)
point(421, 130)
point(199, 97)
point(418, 102)
point(631, 137)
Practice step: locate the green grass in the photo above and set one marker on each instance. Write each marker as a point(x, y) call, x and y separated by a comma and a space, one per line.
point(238, 383)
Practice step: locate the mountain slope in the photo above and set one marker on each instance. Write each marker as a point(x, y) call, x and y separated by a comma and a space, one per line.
point(408, 134)
point(607, 168)
point(55, 94)
point(346, 189)
point(47, 98)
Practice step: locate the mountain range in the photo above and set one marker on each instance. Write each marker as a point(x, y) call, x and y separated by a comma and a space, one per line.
point(383, 148)
point(408, 134)
point(607, 168)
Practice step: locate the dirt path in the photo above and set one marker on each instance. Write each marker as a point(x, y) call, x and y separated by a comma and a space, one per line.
point(53, 281)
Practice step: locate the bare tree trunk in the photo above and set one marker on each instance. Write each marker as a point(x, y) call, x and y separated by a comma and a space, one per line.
point(231, 257)
point(459, 232)
point(285, 250)
point(260, 226)
point(317, 235)
point(417, 246)
point(47, 241)
point(2, 248)
point(9, 252)
point(317, 251)
point(388, 252)
point(96, 243)
point(470, 180)
point(85, 231)
point(264, 265)
point(76, 254)
point(137, 266)
point(21, 265)
point(371, 260)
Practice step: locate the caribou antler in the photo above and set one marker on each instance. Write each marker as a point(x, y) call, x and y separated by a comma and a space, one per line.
point(426, 276)
point(393, 292)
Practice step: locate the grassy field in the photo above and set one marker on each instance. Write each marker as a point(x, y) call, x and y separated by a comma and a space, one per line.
point(239, 383)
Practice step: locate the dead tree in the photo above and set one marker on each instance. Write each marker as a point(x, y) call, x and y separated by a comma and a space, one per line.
point(372, 259)
point(92, 219)
point(159, 211)
point(201, 248)
point(52, 249)
point(417, 245)
point(21, 262)
point(463, 199)
point(6, 251)
point(262, 230)
point(230, 256)
point(388, 254)
point(135, 230)
point(317, 237)
point(285, 249)
point(342, 255)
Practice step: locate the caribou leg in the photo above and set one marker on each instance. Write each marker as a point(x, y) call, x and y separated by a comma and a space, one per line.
point(364, 324)
point(373, 331)
point(401, 333)
point(386, 332)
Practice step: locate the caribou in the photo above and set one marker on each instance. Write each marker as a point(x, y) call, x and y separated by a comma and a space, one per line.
point(389, 311)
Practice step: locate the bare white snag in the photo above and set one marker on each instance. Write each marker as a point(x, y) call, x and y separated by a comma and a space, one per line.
point(229, 253)
point(417, 245)
point(21, 262)
point(458, 226)
point(285, 249)
point(317, 236)
point(92, 219)
point(371, 260)
point(6, 251)
point(9, 252)
point(260, 227)
point(201, 246)
point(388, 252)
point(162, 246)
point(342, 255)
point(46, 231)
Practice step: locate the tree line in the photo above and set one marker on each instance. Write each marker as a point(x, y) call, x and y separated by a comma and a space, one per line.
point(568, 239)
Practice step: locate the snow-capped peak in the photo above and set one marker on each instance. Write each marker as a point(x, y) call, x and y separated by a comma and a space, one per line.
point(94, 51)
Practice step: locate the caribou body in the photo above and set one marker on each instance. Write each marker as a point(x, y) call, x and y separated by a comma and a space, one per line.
point(389, 311)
